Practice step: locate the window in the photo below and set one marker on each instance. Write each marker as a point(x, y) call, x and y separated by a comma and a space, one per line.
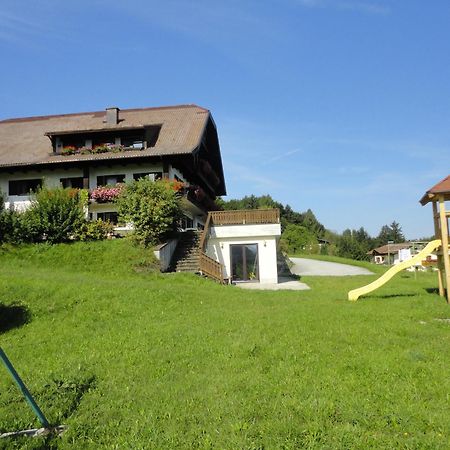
point(75, 182)
point(24, 187)
point(73, 141)
point(133, 141)
point(110, 180)
point(110, 216)
point(152, 175)
point(186, 223)
point(103, 139)
point(244, 262)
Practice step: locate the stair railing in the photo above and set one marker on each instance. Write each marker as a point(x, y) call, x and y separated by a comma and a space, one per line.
point(209, 266)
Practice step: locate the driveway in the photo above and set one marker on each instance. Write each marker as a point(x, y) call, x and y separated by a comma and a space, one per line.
point(304, 266)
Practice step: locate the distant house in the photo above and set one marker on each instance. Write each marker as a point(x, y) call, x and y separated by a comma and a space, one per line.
point(91, 150)
point(395, 253)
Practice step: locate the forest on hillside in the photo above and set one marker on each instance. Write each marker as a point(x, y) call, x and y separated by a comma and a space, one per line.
point(302, 233)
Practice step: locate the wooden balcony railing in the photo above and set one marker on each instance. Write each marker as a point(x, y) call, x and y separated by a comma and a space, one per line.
point(245, 216)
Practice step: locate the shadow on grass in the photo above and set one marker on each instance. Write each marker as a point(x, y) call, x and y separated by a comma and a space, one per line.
point(13, 316)
point(432, 290)
point(382, 297)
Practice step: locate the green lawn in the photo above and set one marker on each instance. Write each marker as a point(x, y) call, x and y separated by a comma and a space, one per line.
point(131, 359)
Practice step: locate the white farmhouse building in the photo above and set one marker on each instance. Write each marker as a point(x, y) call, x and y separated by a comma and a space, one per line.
point(101, 149)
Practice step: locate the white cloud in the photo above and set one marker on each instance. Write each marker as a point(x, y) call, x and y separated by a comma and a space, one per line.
point(245, 174)
point(14, 27)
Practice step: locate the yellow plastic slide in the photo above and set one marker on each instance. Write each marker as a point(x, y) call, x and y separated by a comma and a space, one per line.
point(356, 293)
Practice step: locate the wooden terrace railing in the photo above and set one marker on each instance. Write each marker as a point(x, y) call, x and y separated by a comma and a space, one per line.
point(208, 266)
point(245, 216)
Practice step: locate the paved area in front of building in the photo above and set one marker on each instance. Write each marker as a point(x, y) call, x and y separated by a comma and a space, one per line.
point(313, 267)
point(309, 267)
point(284, 283)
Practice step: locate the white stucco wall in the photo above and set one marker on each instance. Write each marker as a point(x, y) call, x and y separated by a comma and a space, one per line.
point(51, 178)
point(265, 236)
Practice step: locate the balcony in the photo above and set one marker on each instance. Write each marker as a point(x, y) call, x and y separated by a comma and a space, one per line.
point(106, 194)
point(245, 217)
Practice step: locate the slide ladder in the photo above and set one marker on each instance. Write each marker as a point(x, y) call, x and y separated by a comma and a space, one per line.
point(430, 247)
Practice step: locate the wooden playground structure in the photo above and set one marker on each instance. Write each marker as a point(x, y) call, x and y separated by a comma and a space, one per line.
point(437, 195)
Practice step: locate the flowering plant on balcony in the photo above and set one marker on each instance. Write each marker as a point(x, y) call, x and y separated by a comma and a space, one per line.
point(177, 186)
point(102, 148)
point(106, 194)
point(69, 150)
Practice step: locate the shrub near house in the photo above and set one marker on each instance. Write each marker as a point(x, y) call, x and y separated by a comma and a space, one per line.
point(56, 215)
point(152, 207)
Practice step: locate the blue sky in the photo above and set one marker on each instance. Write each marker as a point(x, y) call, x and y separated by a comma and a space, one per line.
point(341, 106)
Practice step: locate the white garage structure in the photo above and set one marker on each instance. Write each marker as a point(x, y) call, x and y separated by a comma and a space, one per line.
point(245, 244)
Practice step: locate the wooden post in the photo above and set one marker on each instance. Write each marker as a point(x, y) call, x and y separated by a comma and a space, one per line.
point(444, 239)
point(440, 260)
point(86, 177)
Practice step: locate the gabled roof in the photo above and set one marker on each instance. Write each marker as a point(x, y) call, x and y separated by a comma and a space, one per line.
point(441, 188)
point(390, 248)
point(26, 141)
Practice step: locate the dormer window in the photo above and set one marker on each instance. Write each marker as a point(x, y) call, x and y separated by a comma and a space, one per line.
point(122, 139)
point(133, 140)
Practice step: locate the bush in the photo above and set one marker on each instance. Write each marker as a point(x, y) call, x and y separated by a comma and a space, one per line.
point(298, 239)
point(12, 227)
point(94, 231)
point(56, 215)
point(152, 207)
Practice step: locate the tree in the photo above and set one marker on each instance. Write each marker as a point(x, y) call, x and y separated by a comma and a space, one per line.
point(349, 246)
point(297, 239)
point(152, 207)
point(392, 232)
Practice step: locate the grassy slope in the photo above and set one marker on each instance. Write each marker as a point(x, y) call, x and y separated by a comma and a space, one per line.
point(143, 360)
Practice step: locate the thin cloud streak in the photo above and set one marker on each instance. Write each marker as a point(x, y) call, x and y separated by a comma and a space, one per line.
point(281, 156)
point(367, 7)
point(244, 173)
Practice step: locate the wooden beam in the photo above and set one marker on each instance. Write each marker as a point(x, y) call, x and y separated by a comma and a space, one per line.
point(440, 261)
point(444, 240)
point(86, 177)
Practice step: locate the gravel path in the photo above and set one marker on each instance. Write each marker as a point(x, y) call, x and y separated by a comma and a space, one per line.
point(303, 266)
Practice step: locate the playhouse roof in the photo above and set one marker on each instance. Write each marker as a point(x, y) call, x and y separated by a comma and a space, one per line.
point(441, 188)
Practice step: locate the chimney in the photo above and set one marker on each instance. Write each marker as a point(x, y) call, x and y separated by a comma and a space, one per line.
point(112, 115)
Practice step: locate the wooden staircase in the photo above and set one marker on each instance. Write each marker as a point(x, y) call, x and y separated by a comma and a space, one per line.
point(186, 257)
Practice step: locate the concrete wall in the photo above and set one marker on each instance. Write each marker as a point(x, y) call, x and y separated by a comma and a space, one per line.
point(265, 236)
point(165, 252)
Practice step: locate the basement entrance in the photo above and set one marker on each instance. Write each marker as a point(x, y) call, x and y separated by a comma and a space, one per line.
point(244, 262)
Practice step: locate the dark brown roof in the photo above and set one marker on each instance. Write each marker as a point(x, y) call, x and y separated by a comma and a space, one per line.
point(24, 142)
point(442, 188)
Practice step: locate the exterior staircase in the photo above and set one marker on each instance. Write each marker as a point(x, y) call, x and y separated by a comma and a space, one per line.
point(186, 257)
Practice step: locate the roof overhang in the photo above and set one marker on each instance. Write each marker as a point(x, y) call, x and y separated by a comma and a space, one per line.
point(440, 190)
point(97, 130)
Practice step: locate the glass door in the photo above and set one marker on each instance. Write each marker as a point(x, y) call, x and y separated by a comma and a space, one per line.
point(244, 262)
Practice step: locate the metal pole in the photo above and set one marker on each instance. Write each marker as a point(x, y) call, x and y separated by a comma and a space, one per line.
point(23, 388)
